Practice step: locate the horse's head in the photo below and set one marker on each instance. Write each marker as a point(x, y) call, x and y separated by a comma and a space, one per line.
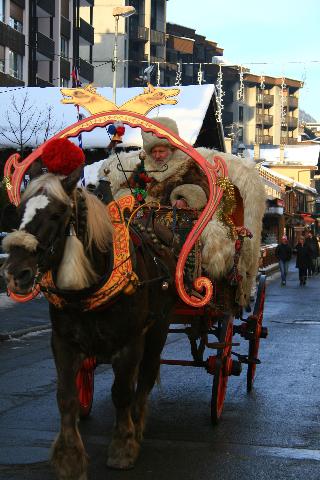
point(45, 213)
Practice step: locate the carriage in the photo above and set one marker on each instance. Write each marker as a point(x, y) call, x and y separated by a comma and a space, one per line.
point(204, 310)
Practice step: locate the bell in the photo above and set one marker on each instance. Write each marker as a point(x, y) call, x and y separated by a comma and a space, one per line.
point(164, 285)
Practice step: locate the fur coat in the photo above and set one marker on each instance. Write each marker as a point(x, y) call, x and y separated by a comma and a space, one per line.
point(184, 179)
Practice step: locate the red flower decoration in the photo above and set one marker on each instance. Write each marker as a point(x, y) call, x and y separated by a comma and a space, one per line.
point(120, 131)
point(61, 156)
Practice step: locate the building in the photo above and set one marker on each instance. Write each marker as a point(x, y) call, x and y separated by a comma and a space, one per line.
point(266, 113)
point(141, 42)
point(40, 42)
point(186, 51)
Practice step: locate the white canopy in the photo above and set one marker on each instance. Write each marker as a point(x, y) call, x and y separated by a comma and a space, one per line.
point(189, 113)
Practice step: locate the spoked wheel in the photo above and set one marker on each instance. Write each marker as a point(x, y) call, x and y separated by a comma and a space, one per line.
point(257, 332)
point(85, 385)
point(222, 369)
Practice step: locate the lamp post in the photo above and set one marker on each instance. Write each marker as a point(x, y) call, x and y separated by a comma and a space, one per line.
point(118, 12)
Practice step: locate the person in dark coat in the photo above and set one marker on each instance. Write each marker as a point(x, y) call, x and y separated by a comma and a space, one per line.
point(283, 253)
point(311, 241)
point(304, 259)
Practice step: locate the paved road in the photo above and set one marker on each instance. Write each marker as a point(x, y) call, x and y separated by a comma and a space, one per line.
point(271, 434)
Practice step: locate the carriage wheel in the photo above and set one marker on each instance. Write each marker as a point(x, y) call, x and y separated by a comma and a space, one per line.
point(222, 370)
point(258, 331)
point(85, 385)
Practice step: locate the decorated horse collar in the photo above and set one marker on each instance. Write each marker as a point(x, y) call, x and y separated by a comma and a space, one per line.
point(122, 278)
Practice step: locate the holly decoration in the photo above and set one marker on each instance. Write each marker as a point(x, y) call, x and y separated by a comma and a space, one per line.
point(139, 181)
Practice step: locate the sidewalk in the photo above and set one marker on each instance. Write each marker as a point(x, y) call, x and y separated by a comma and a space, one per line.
point(17, 319)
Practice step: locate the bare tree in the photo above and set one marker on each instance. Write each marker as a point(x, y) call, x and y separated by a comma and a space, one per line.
point(26, 121)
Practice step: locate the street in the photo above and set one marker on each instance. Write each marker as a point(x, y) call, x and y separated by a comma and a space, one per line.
point(272, 433)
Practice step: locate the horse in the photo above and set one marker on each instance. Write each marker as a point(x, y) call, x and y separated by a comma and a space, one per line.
point(66, 230)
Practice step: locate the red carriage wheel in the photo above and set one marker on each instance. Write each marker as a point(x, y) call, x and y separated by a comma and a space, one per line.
point(85, 385)
point(222, 369)
point(257, 332)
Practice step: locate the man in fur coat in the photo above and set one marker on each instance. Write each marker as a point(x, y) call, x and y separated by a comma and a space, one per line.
point(183, 183)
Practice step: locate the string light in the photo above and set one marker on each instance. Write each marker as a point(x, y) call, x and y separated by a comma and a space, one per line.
point(178, 75)
point(158, 74)
point(283, 111)
point(200, 74)
point(220, 95)
point(240, 92)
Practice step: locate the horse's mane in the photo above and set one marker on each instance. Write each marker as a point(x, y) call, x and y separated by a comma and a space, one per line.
point(99, 226)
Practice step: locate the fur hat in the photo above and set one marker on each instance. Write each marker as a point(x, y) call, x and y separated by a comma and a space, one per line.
point(61, 156)
point(150, 140)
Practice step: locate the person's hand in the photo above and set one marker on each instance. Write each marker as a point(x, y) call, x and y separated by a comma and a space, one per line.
point(180, 203)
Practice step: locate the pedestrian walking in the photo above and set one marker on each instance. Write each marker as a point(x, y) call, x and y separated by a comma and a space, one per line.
point(312, 243)
point(304, 260)
point(283, 254)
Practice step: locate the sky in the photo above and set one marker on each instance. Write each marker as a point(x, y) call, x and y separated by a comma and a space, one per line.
point(277, 38)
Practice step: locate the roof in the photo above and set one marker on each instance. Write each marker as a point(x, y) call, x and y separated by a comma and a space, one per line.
point(189, 113)
point(279, 179)
point(303, 154)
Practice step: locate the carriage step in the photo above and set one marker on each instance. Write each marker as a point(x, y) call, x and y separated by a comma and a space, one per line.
point(245, 359)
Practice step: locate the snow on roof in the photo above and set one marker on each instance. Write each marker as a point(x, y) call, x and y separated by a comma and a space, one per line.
point(286, 180)
point(307, 155)
point(189, 113)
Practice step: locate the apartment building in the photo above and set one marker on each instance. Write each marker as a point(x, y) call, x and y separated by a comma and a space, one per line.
point(40, 42)
point(141, 41)
point(189, 55)
point(267, 112)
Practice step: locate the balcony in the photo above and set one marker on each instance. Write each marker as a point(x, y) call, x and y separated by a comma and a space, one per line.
point(292, 122)
point(86, 70)
point(65, 69)
point(138, 34)
point(264, 119)
point(264, 99)
point(9, 81)
point(138, 56)
point(156, 60)
point(45, 8)
point(264, 139)
point(12, 39)
point(45, 47)
point(293, 102)
point(43, 83)
point(157, 38)
point(86, 33)
point(65, 27)
point(285, 140)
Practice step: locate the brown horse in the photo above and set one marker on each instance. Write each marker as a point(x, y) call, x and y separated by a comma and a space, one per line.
point(129, 332)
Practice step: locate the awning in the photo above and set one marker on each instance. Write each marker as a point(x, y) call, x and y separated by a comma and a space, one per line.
point(307, 218)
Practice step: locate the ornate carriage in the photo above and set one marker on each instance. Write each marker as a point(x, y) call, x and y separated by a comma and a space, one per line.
point(205, 308)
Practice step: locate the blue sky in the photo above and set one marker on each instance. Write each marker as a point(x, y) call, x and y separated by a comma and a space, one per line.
point(282, 37)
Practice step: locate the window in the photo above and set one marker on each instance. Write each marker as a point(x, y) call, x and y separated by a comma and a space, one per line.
point(240, 114)
point(64, 82)
point(240, 134)
point(65, 8)
point(64, 47)
point(15, 65)
point(16, 17)
point(2, 58)
point(2, 7)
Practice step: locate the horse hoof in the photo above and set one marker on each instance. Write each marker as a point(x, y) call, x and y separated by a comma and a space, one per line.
point(119, 464)
point(123, 458)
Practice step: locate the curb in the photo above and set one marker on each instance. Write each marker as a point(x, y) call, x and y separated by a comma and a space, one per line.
point(23, 331)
